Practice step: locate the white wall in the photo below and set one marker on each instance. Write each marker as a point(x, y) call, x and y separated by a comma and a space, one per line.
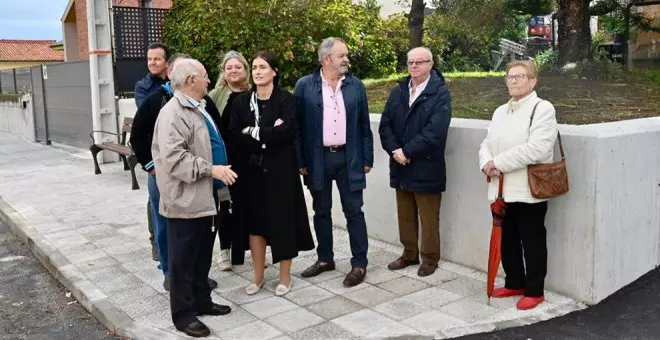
point(16, 119)
point(127, 108)
point(601, 236)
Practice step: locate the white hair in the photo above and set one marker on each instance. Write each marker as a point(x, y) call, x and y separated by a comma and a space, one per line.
point(325, 49)
point(183, 69)
point(426, 50)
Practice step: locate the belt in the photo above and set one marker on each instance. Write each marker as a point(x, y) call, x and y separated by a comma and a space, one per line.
point(334, 148)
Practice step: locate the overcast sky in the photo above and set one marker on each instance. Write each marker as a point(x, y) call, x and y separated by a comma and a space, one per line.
point(31, 19)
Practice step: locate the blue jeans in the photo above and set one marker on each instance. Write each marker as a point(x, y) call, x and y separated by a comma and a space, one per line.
point(160, 223)
point(351, 202)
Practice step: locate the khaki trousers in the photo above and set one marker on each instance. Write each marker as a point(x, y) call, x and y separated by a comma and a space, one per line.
point(413, 207)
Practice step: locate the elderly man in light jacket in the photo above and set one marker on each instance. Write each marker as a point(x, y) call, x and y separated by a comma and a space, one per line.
point(191, 164)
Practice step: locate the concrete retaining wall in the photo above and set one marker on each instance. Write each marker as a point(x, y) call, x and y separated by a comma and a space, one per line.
point(601, 236)
point(16, 119)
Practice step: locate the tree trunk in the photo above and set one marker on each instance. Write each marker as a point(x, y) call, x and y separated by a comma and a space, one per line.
point(574, 34)
point(416, 23)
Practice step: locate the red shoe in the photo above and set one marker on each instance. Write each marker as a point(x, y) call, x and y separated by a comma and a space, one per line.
point(527, 302)
point(506, 292)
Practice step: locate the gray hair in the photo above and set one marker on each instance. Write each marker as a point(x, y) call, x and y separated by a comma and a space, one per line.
point(428, 52)
point(175, 57)
point(182, 70)
point(229, 56)
point(326, 46)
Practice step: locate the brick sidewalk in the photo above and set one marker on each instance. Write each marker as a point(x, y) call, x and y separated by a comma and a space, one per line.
point(90, 232)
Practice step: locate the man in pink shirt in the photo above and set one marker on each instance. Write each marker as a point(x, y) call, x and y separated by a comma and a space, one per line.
point(335, 143)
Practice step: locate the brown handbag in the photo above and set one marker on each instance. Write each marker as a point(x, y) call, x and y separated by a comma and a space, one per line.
point(551, 179)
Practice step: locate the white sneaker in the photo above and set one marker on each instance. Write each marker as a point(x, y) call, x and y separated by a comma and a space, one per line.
point(224, 262)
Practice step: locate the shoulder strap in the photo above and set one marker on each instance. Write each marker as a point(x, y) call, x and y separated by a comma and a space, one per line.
point(561, 146)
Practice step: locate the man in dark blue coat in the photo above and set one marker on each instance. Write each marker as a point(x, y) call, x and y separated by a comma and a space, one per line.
point(335, 143)
point(413, 131)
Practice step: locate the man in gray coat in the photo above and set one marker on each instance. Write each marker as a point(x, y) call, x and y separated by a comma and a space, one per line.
point(189, 153)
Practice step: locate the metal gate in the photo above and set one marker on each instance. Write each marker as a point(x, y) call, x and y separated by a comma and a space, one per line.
point(68, 102)
point(39, 105)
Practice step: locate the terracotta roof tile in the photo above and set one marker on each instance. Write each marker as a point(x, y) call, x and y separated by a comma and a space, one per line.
point(29, 50)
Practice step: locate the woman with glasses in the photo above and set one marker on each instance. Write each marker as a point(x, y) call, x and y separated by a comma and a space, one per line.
point(522, 132)
point(232, 80)
point(269, 200)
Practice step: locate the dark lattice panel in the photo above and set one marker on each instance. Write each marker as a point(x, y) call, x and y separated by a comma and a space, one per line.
point(135, 29)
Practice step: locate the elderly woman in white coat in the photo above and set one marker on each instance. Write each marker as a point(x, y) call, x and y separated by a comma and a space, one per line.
point(514, 142)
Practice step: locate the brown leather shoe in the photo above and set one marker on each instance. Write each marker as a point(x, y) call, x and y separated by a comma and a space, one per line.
point(317, 268)
point(427, 269)
point(401, 263)
point(355, 277)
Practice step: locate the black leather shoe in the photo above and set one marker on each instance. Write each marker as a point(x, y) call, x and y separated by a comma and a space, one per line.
point(216, 309)
point(318, 268)
point(355, 277)
point(212, 283)
point(196, 329)
point(166, 283)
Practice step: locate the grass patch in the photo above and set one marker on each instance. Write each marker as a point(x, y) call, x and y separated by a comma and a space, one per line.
point(10, 97)
point(577, 101)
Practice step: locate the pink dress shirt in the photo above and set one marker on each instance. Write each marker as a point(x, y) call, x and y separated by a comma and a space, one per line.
point(334, 114)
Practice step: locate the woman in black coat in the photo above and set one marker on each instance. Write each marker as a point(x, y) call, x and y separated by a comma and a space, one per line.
point(268, 196)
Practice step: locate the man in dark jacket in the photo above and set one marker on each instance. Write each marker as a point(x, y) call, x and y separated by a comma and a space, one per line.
point(141, 140)
point(157, 56)
point(413, 130)
point(335, 143)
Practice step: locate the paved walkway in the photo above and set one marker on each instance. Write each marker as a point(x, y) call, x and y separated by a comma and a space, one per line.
point(90, 232)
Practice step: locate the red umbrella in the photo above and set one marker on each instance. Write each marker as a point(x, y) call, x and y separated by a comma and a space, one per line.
point(498, 209)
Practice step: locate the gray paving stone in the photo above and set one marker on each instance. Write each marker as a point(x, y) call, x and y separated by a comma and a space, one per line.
point(143, 307)
point(239, 296)
point(294, 320)
point(468, 310)
point(336, 286)
point(403, 285)
point(269, 307)
point(433, 297)
point(400, 309)
point(367, 323)
point(230, 283)
point(377, 275)
point(133, 293)
point(257, 330)
point(370, 296)
point(94, 265)
point(298, 284)
point(219, 324)
point(465, 286)
point(326, 330)
point(86, 256)
point(308, 295)
point(432, 321)
point(334, 307)
point(325, 276)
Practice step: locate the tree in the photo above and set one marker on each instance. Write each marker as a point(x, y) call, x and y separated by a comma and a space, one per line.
point(574, 34)
point(416, 23)
point(533, 7)
point(292, 29)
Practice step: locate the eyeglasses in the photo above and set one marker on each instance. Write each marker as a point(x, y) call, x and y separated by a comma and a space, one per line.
point(516, 77)
point(418, 62)
point(204, 77)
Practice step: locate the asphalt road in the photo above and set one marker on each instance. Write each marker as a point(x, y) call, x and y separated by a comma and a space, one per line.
point(33, 305)
point(631, 313)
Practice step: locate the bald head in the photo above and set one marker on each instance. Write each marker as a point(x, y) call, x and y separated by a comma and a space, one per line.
point(420, 63)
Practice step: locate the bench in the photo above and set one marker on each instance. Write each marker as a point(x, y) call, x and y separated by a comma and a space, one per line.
point(123, 149)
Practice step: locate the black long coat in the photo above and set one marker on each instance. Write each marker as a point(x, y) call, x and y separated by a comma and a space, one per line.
point(268, 199)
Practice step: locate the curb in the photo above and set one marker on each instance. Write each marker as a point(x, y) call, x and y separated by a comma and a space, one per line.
point(113, 318)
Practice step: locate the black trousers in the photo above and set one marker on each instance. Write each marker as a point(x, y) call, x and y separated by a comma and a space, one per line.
point(524, 236)
point(223, 225)
point(190, 250)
